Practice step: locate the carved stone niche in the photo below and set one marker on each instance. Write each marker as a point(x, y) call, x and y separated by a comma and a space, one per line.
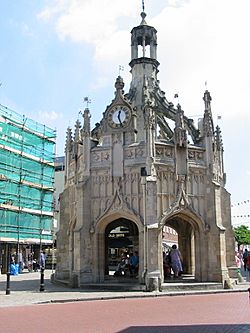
point(130, 153)
point(191, 154)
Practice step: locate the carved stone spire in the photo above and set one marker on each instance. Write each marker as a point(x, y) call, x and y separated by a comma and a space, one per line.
point(208, 126)
point(86, 123)
point(119, 85)
point(207, 100)
point(218, 139)
point(69, 140)
point(77, 136)
point(180, 133)
point(119, 93)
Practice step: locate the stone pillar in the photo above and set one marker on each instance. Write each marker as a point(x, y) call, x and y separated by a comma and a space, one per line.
point(153, 239)
point(154, 276)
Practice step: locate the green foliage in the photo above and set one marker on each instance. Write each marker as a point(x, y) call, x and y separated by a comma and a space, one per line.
point(242, 235)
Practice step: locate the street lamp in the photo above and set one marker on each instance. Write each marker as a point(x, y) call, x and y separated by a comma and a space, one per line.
point(145, 229)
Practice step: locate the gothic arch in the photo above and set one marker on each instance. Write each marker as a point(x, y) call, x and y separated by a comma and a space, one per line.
point(99, 234)
point(187, 214)
point(192, 239)
point(106, 219)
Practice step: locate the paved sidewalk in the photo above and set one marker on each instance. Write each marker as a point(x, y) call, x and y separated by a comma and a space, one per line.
point(24, 290)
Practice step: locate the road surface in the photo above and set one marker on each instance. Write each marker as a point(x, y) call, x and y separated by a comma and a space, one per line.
point(213, 313)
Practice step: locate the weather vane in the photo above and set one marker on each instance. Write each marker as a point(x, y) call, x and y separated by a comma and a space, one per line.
point(176, 95)
point(121, 68)
point(88, 101)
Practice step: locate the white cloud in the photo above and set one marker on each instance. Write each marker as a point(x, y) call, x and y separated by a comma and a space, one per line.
point(205, 41)
point(98, 23)
point(198, 41)
point(55, 8)
point(90, 21)
point(50, 116)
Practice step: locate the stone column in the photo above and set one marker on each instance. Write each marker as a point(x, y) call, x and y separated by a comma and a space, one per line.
point(153, 239)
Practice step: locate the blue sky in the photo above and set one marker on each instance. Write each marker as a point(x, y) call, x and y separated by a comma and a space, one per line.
point(54, 53)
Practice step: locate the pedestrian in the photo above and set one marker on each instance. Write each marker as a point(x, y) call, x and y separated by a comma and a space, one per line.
point(42, 259)
point(20, 262)
point(237, 261)
point(245, 255)
point(166, 265)
point(248, 267)
point(123, 265)
point(134, 264)
point(176, 261)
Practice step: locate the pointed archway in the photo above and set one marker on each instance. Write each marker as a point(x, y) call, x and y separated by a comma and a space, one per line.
point(121, 236)
point(115, 221)
point(191, 240)
point(185, 242)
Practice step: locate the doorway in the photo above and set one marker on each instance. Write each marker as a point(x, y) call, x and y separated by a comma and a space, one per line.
point(121, 237)
point(183, 235)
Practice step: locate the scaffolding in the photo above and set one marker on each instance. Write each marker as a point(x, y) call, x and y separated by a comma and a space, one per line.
point(27, 154)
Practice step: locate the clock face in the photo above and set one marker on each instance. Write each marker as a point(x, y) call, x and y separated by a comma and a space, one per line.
point(119, 116)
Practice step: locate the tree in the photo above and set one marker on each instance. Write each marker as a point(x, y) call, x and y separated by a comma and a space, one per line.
point(242, 235)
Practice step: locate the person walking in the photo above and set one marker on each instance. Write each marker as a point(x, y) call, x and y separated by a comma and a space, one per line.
point(42, 260)
point(176, 259)
point(248, 268)
point(245, 255)
point(237, 261)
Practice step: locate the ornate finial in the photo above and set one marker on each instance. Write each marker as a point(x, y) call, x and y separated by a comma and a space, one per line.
point(77, 136)
point(143, 6)
point(68, 143)
point(119, 84)
point(180, 131)
point(143, 15)
point(218, 138)
point(207, 99)
point(177, 96)
point(207, 119)
point(86, 123)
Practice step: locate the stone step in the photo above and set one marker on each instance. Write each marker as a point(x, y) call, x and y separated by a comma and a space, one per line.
point(113, 286)
point(191, 286)
point(171, 287)
point(181, 284)
point(184, 283)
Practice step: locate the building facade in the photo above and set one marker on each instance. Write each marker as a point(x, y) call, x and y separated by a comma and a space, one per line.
point(26, 185)
point(143, 168)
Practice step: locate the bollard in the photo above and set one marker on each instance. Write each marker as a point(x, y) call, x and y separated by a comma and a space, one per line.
point(8, 283)
point(42, 280)
point(8, 272)
point(249, 292)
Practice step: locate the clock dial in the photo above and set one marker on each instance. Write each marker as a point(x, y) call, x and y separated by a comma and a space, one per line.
point(119, 116)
